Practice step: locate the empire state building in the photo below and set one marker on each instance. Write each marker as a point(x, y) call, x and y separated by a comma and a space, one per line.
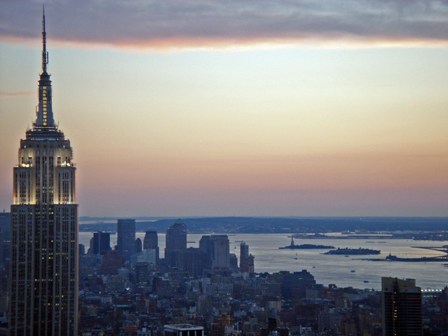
point(44, 226)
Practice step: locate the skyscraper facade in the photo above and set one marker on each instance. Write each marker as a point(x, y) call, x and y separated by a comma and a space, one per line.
point(44, 226)
point(151, 242)
point(216, 247)
point(195, 261)
point(5, 236)
point(221, 256)
point(246, 259)
point(206, 246)
point(100, 242)
point(126, 237)
point(402, 307)
point(176, 244)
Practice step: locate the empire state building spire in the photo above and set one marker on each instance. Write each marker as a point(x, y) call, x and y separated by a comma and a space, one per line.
point(43, 291)
point(44, 44)
point(45, 110)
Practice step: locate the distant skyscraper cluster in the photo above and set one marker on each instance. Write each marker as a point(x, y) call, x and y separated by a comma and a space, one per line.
point(142, 256)
point(211, 256)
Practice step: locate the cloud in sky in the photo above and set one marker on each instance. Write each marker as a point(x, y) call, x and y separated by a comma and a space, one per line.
point(192, 23)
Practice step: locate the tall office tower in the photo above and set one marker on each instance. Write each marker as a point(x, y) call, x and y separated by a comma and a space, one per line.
point(126, 237)
point(44, 226)
point(221, 256)
point(233, 262)
point(206, 246)
point(402, 307)
point(244, 250)
point(176, 244)
point(217, 249)
point(246, 259)
point(151, 242)
point(100, 242)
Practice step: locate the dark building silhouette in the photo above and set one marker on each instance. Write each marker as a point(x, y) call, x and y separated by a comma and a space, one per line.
point(221, 255)
point(5, 237)
point(244, 250)
point(126, 237)
point(138, 245)
point(216, 247)
point(246, 259)
point(44, 226)
point(402, 307)
point(82, 249)
point(206, 246)
point(176, 244)
point(151, 242)
point(195, 261)
point(100, 242)
point(233, 262)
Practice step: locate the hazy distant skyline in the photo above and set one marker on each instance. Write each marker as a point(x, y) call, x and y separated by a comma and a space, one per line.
point(237, 108)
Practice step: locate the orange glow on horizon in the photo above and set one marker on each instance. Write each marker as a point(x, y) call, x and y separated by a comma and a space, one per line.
point(237, 43)
point(307, 172)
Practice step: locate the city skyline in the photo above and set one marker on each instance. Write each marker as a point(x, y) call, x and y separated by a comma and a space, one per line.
point(263, 116)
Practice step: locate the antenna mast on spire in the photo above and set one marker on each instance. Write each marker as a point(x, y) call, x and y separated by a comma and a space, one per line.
point(44, 43)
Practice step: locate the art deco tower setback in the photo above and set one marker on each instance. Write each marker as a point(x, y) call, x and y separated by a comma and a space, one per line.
point(44, 226)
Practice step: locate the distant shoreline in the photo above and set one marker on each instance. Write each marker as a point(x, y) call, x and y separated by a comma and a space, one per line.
point(435, 228)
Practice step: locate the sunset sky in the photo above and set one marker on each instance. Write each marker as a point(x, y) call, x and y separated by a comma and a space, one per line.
point(183, 108)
